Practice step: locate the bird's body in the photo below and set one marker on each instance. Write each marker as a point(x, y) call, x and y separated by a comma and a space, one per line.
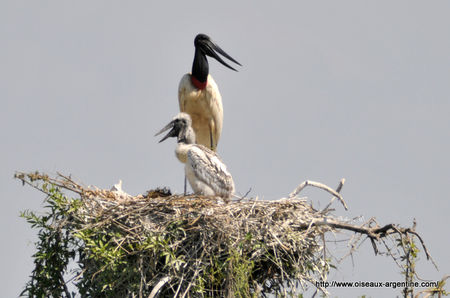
point(199, 96)
point(205, 108)
point(205, 171)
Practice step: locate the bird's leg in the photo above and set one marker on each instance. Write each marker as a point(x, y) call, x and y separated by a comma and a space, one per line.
point(185, 185)
point(211, 139)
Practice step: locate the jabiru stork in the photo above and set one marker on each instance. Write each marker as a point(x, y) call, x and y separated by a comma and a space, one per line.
point(204, 169)
point(199, 96)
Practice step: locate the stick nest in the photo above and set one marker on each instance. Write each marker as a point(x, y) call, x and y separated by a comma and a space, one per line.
point(173, 245)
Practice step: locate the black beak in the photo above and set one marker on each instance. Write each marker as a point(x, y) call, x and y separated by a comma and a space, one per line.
point(172, 133)
point(210, 49)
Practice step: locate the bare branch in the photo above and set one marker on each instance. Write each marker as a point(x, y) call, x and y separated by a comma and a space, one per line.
point(158, 286)
point(321, 186)
point(176, 241)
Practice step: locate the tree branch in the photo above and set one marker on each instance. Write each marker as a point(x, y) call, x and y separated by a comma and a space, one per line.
point(321, 186)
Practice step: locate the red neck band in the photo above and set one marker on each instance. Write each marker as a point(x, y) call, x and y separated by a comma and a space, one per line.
point(198, 84)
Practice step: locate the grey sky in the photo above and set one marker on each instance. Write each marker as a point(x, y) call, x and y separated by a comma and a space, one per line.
point(327, 90)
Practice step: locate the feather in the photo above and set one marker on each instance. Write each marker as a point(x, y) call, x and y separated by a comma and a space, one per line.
point(207, 174)
point(205, 108)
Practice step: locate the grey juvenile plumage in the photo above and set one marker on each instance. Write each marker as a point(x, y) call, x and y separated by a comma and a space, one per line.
point(205, 171)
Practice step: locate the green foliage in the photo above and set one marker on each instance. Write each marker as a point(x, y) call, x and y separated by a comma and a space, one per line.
point(440, 290)
point(54, 247)
point(111, 264)
point(241, 268)
point(234, 271)
point(128, 247)
point(409, 256)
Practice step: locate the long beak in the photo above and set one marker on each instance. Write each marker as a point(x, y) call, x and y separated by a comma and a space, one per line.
point(171, 133)
point(211, 49)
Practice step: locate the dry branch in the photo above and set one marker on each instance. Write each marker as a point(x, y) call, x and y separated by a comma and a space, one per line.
point(321, 186)
point(182, 245)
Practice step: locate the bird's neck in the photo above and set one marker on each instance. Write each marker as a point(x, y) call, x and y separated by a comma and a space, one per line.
point(200, 70)
point(181, 151)
point(187, 136)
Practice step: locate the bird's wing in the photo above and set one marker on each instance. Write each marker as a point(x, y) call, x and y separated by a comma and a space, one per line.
point(216, 110)
point(182, 91)
point(209, 169)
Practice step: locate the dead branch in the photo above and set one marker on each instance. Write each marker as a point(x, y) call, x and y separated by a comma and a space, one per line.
point(321, 186)
point(189, 237)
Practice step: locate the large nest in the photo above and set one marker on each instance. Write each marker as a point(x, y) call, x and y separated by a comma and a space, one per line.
point(174, 245)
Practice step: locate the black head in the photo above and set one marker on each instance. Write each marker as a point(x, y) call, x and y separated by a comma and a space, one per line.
point(181, 129)
point(206, 46)
point(201, 38)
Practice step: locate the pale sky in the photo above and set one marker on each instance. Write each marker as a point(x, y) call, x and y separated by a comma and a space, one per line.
point(328, 90)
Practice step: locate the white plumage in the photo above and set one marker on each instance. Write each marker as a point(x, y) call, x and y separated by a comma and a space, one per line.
point(205, 108)
point(205, 171)
point(199, 96)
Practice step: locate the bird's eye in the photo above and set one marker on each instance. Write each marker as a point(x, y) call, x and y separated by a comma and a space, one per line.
point(180, 121)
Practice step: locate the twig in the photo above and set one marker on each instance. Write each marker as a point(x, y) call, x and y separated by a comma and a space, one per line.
point(338, 190)
point(158, 286)
point(244, 196)
point(197, 235)
point(318, 185)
